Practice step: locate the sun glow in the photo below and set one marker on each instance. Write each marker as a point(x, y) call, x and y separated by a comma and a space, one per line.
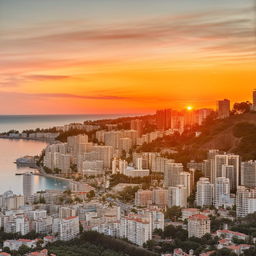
point(189, 108)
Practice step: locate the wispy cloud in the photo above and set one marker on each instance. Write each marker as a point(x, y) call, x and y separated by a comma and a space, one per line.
point(195, 40)
point(64, 95)
point(46, 77)
point(85, 97)
point(16, 79)
point(213, 27)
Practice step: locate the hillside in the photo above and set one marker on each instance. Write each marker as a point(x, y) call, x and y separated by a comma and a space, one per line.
point(235, 134)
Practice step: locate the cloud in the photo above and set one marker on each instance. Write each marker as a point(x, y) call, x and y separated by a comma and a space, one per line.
point(46, 77)
point(85, 97)
point(64, 95)
point(16, 79)
point(210, 36)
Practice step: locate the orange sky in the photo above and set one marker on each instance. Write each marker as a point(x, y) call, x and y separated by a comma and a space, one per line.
point(101, 62)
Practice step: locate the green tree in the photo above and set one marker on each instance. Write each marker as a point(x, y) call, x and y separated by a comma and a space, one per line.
point(23, 249)
point(223, 252)
point(173, 213)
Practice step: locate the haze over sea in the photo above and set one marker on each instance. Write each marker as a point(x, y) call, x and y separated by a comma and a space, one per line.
point(23, 122)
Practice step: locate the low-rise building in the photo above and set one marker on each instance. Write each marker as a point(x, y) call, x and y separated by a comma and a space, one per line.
point(16, 244)
point(228, 234)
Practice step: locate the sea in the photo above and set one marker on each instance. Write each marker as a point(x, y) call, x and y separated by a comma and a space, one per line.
point(11, 149)
point(23, 122)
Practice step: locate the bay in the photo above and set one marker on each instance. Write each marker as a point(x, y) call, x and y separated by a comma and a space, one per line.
point(10, 150)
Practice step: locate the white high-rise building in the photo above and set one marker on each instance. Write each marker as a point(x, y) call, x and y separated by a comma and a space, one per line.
point(17, 224)
point(11, 201)
point(185, 179)
point(93, 168)
point(228, 171)
point(223, 108)
point(202, 114)
point(160, 196)
point(132, 134)
point(64, 163)
point(204, 192)
point(172, 174)
point(68, 228)
point(112, 138)
point(156, 218)
point(158, 164)
point(136, 228)
point(248, 174)
point(104, 153)
point(136, 124)
point(37, 214)
point(143, 197)
point(66, 212)
point(100, 136)
point(177, 196)
point(76, 144)
point(139, 163)
point(125, 144)
point(118, 166)
point(227, 160)
point(208, 165)
point(27, 184)
point(221, 192)
point(245, 201)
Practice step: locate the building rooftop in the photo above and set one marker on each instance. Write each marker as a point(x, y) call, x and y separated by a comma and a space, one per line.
point(226, 231)
point(198, 217)
point(70, 218)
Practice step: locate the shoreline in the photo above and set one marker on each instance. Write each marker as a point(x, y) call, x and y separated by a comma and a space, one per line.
point(26, 138)
point(41, 172)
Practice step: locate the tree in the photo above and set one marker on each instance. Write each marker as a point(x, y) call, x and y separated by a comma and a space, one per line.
point(6, 249)
point(191, 199)
point(41, 199)
point(81, 228)
point(73, 167)
point(175, 232)
point(250, 252)
point(150, 244)
point(23, 249)
point(128, 193)
point(241, 107)
point(91, 194)
point(173, 213)
point(39, 244)
point(223, 252)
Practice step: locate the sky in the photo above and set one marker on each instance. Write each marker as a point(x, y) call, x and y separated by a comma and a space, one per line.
point(124, 56)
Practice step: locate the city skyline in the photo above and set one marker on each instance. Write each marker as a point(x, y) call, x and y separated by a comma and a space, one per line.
point(124, 56)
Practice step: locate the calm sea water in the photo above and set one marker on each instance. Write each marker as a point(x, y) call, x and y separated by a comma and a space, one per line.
point(22, 122)
point(10, 150)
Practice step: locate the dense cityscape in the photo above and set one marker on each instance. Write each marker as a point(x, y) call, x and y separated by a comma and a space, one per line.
point(127, 128)
point(126, 185)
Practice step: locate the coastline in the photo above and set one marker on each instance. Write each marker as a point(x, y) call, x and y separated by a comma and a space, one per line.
point(40, 170)
point(43, 173)
point(27, 138)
